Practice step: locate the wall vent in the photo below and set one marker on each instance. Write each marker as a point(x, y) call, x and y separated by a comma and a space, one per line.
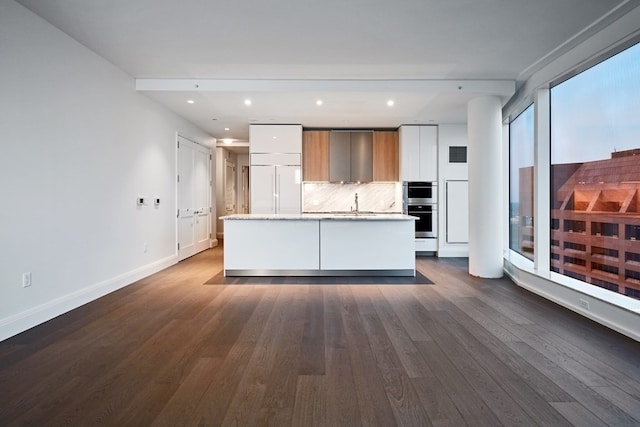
point(457, 154)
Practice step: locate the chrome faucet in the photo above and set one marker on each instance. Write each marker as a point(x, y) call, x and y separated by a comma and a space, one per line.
point(356, 203)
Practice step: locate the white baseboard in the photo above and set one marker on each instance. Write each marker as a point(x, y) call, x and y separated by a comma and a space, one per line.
point(20, 322)
point(453, 252)
point(620, 319)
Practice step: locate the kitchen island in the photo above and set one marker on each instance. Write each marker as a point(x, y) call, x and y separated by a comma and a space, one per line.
point(319, 245)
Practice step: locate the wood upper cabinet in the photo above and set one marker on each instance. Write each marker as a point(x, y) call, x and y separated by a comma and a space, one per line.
point(385, 156)
point(315, 155)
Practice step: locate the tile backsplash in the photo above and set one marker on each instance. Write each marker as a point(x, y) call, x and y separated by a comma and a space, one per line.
point(334, 197)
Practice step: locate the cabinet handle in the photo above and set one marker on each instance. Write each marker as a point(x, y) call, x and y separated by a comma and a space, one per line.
point(273, 194)
point(279, 187)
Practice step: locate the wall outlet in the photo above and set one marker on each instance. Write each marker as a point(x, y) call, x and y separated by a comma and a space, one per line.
point(584, 304)
point(26, 279)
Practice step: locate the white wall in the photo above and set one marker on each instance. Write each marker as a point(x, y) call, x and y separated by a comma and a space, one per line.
point(79, 144)
point(449, 135)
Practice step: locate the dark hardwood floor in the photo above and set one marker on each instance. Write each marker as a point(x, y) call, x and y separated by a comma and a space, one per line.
point(170, 350)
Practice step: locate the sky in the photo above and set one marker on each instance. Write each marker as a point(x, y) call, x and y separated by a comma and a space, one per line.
point(597, 111)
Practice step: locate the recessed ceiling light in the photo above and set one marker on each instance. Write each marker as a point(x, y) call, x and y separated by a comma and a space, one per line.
point(190, 101)
point(275, 137)
point(227, 141)
point(390, 103)
point(226, 128)
point(319, 102)
point(247, 102)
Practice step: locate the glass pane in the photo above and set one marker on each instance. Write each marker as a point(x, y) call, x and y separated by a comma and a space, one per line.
point(521, 213)
point(595, 175)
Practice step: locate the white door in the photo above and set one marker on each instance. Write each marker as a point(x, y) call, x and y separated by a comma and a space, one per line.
point(457, 212)
point(194, 198)
point(288, 184)
point(202, 196)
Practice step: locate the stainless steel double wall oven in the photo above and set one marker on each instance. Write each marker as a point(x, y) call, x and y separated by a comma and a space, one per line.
point(420, 199)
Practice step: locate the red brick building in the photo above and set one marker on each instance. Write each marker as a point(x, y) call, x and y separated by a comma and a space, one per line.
point(595, 222)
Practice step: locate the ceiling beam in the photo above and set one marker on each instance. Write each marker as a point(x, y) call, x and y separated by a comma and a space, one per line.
point(481, 87)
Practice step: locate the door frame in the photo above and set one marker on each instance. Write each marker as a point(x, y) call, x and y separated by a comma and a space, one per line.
point(234, 181)
point(246, 207)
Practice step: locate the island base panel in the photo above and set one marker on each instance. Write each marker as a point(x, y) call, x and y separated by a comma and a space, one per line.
point(367, 245)
point(271, 245)
point(320, 273)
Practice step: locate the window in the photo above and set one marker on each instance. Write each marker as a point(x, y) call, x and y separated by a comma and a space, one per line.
point(597, 252)
point(595, 173)
point(606, 285)
point(575, 246)
point(521, 213)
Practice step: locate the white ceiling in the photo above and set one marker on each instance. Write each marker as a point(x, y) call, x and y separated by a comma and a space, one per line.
point(430, 56)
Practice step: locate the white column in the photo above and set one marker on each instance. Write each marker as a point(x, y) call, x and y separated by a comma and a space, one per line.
point(542, 171)
point(484, 116)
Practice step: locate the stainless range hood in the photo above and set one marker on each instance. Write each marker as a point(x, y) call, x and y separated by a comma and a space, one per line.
point(350, 156)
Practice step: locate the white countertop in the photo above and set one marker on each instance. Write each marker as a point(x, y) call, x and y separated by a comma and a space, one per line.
point(327, 216)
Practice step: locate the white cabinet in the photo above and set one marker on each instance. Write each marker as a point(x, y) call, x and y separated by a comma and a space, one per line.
point(267, 245)
point(457, 194)
point(275, 174)
point(367, 245)
point(288, 189)
point(426, 245)
point(418, 153)
point(274, 159)
point(409, 153)
point(303, 246)
point(275, 189)
point(262, 184)
point(275, 139)
point(428, 153)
